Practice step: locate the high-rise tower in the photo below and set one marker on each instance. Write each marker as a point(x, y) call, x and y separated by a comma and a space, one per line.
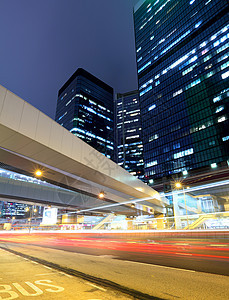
point(128, 134)
point(183, 74)
point(85, 107)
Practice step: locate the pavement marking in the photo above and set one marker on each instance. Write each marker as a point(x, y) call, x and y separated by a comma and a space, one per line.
point(175, 268)
point(95, 286)
point(131, 242)
point(34, 262)
point(65, 274)
point(181, 244)
point(44, 274)
point(135, 262)
point(107, 256)
point(47, 267)
point(184, 253)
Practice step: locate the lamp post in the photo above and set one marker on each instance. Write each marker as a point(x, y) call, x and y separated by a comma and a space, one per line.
point(31, 211)
point(178, 185)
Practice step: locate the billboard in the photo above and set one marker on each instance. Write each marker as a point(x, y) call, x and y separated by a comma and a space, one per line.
point(49, 216)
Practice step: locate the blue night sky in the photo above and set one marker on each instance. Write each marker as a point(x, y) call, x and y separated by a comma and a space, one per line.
point(43, 43)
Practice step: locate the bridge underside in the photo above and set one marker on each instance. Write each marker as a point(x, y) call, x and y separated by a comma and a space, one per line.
point(18, 190)
point(30, 140)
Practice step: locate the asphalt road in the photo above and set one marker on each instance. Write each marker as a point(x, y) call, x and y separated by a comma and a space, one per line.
point(148, 279)
point(203, 255)
point(21, 278)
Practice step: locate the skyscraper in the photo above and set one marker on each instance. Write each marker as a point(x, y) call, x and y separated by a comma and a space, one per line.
point(85, 107)
point(183, 72)
point(128, 134)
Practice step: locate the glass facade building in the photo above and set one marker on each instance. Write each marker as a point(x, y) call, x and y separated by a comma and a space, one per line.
point(85, 107)
point(128, 134)
point(183, 75)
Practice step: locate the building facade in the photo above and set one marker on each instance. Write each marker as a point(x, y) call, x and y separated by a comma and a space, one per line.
point(183, 74)
point(128, 134)
point(85, 107)
point(11, 209)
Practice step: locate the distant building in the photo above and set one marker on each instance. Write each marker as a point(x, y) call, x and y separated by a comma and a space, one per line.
point(85, 107)
point(12, 209)
point(128, 134)
point(183, 75)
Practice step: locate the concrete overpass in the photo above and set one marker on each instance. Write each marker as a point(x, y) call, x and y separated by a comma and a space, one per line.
point(30, 140)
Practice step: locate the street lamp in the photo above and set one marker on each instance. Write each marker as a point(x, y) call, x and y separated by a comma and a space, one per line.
point(38, 173)
point(101, 195)
point(31, 211)
point(179, 185)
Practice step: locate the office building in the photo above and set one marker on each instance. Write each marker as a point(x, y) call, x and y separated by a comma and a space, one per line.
point(128, 134)
point(85, 107)
point(183, 73)
point(12, 209)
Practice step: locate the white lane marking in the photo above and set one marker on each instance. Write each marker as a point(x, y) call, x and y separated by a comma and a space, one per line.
point(47, 267)
point(65, 274)
point(34, 262)
point(181, 244)
point(107, 256)
point(184, 253)
point(44, 274)
point(135, 262)
point(95, 286)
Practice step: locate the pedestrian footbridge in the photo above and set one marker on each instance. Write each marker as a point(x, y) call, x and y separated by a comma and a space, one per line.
point(30, 140)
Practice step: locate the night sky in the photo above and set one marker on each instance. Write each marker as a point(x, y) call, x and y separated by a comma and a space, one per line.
point(44, 42)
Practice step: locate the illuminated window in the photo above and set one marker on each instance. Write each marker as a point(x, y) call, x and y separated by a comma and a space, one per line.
point(145, 66)
point(224, 66)
point(198, 24)
point(154, 137)
point(152, 107)
point(216, 99)
point(225, 75)
point(146, 90)
point(222, 119)
point(222, 57)
point(183, 153)
point(177, 93)
point(210, 74)
point(62, 116)
point(225, 138)
point(219, 109)
point(193, 84)
point(150, 164)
